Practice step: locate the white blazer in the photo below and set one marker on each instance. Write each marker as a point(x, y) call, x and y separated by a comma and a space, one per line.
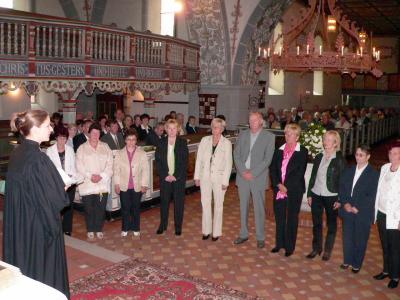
point(393, 206)
point(217, 169)
point(52, 153)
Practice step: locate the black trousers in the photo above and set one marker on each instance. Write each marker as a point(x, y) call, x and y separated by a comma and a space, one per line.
point(287, 220)
point(68, 211)
point(130, 210)
point(319, 203)
point(176, 190)
point(95, 208)
point(355, 240)
point(390, 241)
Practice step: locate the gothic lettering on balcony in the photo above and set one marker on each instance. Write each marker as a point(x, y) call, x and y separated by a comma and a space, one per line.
point(147, 73)
point(60, 70)
point(109, 71)
point(13, 68)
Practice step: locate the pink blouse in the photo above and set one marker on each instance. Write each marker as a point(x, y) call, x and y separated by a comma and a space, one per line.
point(287, 154)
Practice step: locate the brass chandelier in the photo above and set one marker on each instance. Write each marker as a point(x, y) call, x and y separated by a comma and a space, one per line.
point(344, 49)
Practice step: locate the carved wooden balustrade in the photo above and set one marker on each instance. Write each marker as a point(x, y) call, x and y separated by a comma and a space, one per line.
point(63, 55)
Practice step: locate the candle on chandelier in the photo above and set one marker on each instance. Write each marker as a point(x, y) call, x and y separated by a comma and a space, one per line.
point(269, 51)
point(280, 51)
point(342, 50)
point(259, 51)
point(298, 50)
point(308, 49)
point(320, 50)
point(361, 51)
point(265, 53)
point(373, 52)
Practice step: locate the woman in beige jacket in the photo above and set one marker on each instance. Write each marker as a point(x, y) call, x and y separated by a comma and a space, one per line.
point(94, 162)
point(131, 180)
point(212, 172)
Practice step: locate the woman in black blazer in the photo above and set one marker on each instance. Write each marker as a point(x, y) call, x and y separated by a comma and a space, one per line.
point(323, 191)
point(357, 192)
point(287, 175)
point(171, 162)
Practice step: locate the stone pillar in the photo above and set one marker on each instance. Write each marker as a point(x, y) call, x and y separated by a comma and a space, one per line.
point(149, 106)
point(69, 110)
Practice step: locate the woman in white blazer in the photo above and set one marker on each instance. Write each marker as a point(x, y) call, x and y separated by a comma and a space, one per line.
point(387, 215)
point(63, 157)
point(212, 172)
point(131, 180)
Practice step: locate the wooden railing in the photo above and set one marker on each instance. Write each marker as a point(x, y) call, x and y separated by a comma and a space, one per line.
point(33, 40)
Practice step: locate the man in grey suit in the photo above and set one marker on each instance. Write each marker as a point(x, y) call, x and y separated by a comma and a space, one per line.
point(114, 139)
point(253, 154)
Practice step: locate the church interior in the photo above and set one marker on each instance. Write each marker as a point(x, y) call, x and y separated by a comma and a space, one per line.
point(323, 65)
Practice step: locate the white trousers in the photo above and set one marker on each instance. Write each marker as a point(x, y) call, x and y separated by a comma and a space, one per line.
point(210, 190)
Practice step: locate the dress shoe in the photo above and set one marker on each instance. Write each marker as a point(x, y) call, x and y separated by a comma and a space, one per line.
point(214, 239)
point(275, 250)
point(260, 244)
point(287, 253)
point(240, 240)
point(136, 233)
point(99, 235)
point(205, 237)
point(90, 235)
point(381, 276)
point(124, 233)
point(178, 232)
point(160, 231)
point(344, 266)
point(313, 254)
point(326, 256)
point(393, 284)
point(355, 271)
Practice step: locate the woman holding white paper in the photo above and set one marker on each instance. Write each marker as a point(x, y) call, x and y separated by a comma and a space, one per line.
point(63, 157)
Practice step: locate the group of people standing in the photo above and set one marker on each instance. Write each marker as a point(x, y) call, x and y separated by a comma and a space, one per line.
point(35, 193)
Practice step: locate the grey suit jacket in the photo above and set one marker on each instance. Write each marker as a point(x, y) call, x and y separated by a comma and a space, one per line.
point(261, 156)
point(107, 138)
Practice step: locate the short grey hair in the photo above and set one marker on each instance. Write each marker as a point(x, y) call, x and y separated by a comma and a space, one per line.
point(219, 121)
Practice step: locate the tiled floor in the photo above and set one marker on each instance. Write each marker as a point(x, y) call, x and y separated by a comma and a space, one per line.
point(243, 267)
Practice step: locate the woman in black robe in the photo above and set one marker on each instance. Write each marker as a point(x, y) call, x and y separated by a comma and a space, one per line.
point(33, 238)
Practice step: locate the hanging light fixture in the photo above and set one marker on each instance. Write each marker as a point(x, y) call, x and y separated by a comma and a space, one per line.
point(347, 54)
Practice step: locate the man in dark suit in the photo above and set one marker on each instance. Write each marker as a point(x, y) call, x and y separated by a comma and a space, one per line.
point(114, 138)
point(191, 126)
point(357, 192)
point(119, 117)
point(172, 161)
point(154, 137)
point(81, 138)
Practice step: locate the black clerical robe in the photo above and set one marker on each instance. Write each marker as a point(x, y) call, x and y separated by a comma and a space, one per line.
point(33, 238)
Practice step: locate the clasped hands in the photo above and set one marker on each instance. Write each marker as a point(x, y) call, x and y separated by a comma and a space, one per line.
point(170, 178)
point(350, 209)
point(247, 175)
point(96, 178)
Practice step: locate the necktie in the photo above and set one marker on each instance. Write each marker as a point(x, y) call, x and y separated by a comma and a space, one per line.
point(116, 141)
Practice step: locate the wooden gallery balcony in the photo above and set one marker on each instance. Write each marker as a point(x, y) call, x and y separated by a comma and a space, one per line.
point(64, 55)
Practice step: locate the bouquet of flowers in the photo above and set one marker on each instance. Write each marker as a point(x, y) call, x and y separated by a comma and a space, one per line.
point(311, 138)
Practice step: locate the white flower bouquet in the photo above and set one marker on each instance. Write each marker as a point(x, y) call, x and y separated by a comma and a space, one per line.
point(311, 138)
